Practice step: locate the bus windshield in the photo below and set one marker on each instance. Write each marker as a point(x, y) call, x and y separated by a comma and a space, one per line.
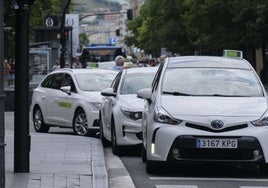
point(101, 53)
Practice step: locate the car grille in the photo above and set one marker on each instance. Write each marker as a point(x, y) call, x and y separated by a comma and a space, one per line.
point(186, 145)
point(200, 127)
point(217, 154)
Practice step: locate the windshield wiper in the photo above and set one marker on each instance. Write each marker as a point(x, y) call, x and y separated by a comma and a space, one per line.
point(220, 95)
point(176, 93)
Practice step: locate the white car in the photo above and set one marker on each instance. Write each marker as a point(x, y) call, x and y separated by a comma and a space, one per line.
point(70, 98)
point(205, 109)
point(120, 115)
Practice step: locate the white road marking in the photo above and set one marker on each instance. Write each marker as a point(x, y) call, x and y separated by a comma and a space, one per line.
point(176, 186)
point(195, 186)
point(252, 187)
point(209, 179)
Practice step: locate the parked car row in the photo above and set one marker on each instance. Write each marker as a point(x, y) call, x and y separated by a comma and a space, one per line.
point(199, 109)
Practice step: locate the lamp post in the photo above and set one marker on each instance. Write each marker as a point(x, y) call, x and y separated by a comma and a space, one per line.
point(22, 137)
point(2, 104)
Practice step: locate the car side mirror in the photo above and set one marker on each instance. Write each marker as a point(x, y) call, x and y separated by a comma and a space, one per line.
point(145, 94)
point(66, 89)
point(108, 92)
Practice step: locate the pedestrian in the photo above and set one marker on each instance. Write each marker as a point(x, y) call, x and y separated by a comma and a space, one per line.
point(152, 63)
point(162, 59)
point(119, 63)
point(11, 76)
point(6, 72)
point(85, 58)
point(56, 64)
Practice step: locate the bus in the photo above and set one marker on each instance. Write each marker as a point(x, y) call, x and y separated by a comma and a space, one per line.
point(95, 55)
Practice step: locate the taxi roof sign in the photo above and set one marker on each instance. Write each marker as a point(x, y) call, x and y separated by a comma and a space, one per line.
point(233, 53)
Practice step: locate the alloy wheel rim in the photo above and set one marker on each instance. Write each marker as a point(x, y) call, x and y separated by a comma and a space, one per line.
point(81, 124)
point(37, 119)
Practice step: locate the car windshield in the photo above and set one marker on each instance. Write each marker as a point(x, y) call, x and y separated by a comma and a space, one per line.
point(132, 83)
point(211, 82)
point(94, 81)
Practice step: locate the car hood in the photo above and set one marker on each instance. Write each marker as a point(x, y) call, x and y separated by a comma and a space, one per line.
point(131, 102)
point(215, 106)
point(93, 96)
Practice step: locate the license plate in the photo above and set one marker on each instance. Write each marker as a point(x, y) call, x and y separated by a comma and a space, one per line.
point(216, 143)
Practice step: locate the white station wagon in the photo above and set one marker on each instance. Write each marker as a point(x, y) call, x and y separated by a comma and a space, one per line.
point(205, 109)
point(70, 98)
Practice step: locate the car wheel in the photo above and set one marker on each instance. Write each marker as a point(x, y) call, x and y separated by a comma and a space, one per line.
point(115, 148)
point(38, 121)
point(143, 154)
point(80, 123)
point(104, 141)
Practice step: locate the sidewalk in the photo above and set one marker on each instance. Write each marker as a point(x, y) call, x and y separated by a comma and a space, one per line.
point(58, 161)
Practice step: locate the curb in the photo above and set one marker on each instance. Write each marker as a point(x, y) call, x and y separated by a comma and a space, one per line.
point(118, 174)
point(100, 176)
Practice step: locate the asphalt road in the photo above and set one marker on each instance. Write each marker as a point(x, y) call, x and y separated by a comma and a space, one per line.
point(193, 176)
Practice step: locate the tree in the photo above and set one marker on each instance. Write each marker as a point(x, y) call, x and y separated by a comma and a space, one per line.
point(38, 11)
point(203, 26)
point(83, 39)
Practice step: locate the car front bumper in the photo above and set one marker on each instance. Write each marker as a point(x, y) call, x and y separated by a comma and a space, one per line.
point(184, 148)
point(179, 144)
point(128, 132)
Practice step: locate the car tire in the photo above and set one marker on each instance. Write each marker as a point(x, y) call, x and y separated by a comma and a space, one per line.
point(143, 154)
point(38, 121)
point(104, 141)
point(80, 126)
point(115, 148)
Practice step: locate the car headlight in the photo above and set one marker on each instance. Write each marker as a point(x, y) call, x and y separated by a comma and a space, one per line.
point(161, 116)
point(132, 115)
point(261, 122)
point(96, 105)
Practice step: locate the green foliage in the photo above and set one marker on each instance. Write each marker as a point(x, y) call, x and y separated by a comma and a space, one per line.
point(38, 11)
point(83, 39)
point(203, 26)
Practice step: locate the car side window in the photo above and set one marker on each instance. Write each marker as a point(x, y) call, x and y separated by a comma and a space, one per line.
point(53, 81)
point(157, 77)
point(68, 81)
point(116, 81)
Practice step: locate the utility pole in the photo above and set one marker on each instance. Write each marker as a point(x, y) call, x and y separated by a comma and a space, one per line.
point(2, 96)
point(63, 36)
point(22, 138)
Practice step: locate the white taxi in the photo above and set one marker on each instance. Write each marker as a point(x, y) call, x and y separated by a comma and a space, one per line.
point(205, 109)
point(70, 98)
point(121, 110)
